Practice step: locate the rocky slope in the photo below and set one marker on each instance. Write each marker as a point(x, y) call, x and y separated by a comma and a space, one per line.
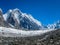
point(2, 21)
point(50, 38)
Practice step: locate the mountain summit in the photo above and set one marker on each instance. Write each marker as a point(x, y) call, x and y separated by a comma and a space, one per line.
point(17, 19)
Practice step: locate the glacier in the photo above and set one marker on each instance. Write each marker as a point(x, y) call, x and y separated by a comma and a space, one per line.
point(10, 32)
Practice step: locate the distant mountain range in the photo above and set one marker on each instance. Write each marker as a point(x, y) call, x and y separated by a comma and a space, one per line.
point(14, 18)
point(54, 26)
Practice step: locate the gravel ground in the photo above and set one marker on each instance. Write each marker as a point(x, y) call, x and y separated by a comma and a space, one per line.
point(50, 38)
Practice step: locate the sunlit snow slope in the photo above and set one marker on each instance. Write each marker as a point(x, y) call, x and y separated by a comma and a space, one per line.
point(9, 32)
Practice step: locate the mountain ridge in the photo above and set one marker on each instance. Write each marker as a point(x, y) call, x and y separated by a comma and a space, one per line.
point(14, 18)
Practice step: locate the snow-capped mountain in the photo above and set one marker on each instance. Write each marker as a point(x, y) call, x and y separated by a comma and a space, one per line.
point(56, 25)
point(14, 18)
point(20, 20)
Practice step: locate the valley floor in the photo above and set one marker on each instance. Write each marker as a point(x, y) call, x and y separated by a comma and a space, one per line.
point(50, 38)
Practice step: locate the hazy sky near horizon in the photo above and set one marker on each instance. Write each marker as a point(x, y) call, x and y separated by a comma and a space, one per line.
point(46, 11)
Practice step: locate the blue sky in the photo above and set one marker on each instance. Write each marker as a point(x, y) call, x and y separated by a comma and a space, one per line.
point(46, 11)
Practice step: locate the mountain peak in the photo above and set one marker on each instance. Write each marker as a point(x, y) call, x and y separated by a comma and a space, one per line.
point(16, 10)
point(19, 19)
